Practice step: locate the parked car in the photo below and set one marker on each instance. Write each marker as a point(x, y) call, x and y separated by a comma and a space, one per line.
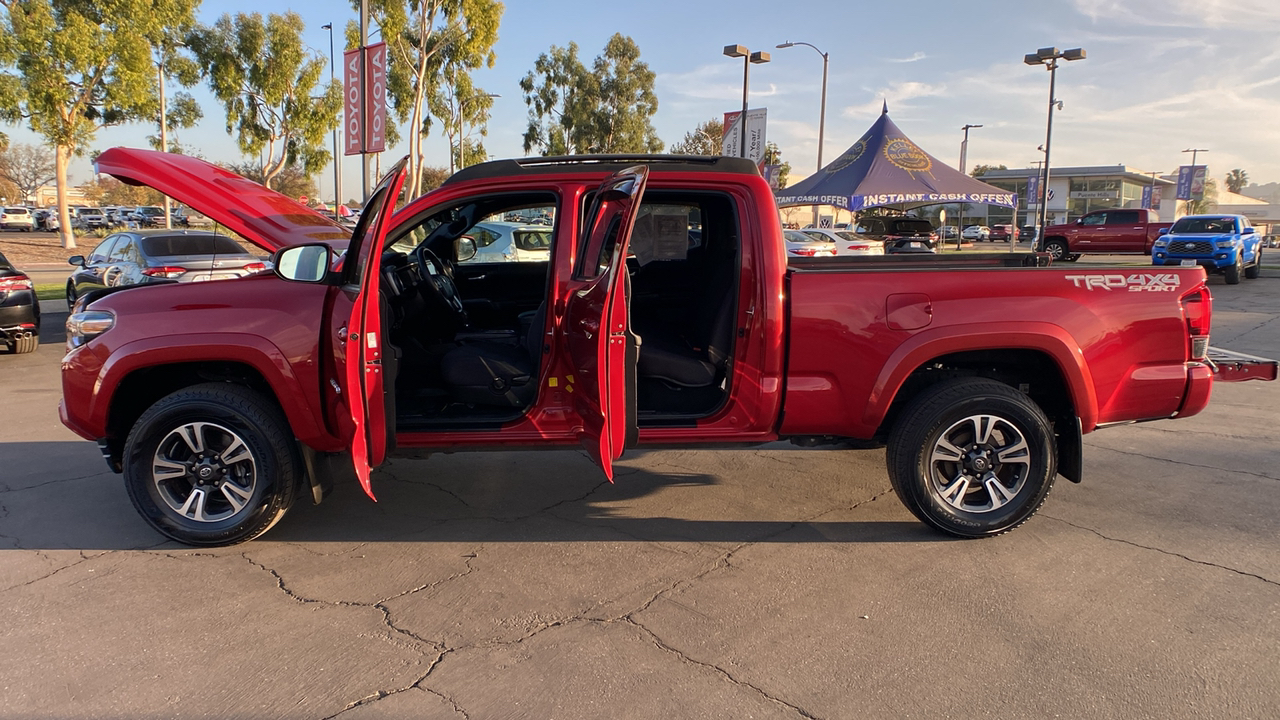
point(46, 219)
point(158, 256)
point(1226, 244)
point(90, 219)
point(976, 232)
point(800, 243)
point(17, 218)
point(1115, 231)
point(19, 309)
point(1027, 233)
point(899, 233)
point(500, 241)
point(1271, 241)
point(845, 242)
point(948, 232)
point(221, 406)
point(1000, 233)
point(148, 216)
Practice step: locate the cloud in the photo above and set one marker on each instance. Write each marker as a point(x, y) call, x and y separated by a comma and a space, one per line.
point(913, 58)
point(1256, 15)
point(898, 97)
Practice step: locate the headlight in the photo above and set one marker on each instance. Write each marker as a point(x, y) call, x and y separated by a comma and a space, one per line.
point(1226, 243)
point(86, 325)
point(1161, 244)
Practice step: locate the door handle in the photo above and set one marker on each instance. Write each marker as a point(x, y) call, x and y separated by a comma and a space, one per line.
point(342, 333)
point(477, 277)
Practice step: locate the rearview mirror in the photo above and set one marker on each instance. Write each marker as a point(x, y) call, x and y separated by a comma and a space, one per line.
point(464, 248)
point(304, 263)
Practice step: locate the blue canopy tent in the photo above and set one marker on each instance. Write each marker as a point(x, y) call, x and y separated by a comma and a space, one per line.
point(885, 168)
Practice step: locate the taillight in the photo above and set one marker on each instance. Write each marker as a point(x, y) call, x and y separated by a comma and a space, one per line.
point(805, 252)
point(15, 283)
point(1197, 307)
point(859, 247)
point(255, 267)
point(164, 271)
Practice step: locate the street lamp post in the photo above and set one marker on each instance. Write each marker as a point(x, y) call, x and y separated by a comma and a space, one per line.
point(462, 136)
point(964, 148)
point(1049, 58)
point(337, 159)
point(748, 57)
point(822, 115)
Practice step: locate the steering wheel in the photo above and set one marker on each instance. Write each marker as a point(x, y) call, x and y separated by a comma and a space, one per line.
point(439, 288)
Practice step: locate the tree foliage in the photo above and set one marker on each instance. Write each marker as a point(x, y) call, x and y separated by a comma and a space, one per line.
point(773, 156)
point(980, 170)
point(27, 167)
point(269, 84)
point(1236, 180)
point(71, 67)
point(607, 109)
point(1206, 203)
point(706, 139)
point(432, 45)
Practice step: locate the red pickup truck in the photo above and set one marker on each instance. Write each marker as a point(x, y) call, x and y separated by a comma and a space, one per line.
point(1116, 231)
point(663, 313)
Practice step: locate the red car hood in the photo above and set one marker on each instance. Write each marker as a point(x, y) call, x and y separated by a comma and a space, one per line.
point(263, 217)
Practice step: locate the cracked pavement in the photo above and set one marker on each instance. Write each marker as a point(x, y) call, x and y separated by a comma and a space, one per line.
point(775, 582)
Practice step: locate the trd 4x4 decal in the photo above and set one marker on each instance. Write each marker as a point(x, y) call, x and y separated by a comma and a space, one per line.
point(1138, 282)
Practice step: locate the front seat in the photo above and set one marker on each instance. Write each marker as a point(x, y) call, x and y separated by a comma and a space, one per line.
point(496, 374)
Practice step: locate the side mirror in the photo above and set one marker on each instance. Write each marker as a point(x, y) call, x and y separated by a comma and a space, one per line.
point(77, 260)
point(1080, 221)
point(1248, 230)
point(1163, 231)
point(464, 248)
point(304, 263)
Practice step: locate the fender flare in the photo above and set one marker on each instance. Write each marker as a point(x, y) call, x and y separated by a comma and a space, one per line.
point(251, 350)
point(1044, 337)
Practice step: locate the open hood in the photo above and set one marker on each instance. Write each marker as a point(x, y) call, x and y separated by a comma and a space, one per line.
point(263, 217)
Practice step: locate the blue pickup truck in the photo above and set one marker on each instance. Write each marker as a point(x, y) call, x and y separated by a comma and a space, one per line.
point(1226, 244)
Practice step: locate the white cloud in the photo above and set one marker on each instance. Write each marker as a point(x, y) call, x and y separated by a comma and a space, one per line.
point(913, 58)
point(1257, 15)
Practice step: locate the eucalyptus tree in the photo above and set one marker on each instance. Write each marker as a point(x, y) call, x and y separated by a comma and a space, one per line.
point(706, 139)
point(431, 45)
point(270, 86)
point(71, 67)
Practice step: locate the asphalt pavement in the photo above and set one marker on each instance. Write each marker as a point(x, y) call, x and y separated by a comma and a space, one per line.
point(774, 582)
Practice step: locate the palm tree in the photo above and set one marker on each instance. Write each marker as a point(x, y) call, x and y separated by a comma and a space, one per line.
point(1237, 179)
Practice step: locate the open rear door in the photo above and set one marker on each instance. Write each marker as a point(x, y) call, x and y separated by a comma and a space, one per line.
point(365, 342)
point(596, 324)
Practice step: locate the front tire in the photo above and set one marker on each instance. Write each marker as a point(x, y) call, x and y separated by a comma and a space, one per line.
point(972, 457)
point(1232, 273)
point(212, 464)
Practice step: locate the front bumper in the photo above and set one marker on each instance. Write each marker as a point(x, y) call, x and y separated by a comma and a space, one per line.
point(1215, 261)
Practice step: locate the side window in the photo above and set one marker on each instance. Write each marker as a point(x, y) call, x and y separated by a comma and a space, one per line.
point(1096, 219)
point(103, 251)
point(483, 238)
point(122, 252)
point(1123, 217)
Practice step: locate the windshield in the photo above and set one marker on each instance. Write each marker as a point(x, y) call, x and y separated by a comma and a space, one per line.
point(1192, 225)
point(190, 245)
point(912, 226)
point(796, 236)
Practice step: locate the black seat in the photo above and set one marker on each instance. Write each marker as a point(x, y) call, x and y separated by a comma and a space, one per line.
point(490, 373)
point(696, 358)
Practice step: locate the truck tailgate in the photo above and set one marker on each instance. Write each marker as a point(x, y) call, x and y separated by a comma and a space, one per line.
point(1231, 366)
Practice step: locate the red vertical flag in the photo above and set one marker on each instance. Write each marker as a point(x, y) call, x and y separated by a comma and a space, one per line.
point(352, 110)
point(375, 86)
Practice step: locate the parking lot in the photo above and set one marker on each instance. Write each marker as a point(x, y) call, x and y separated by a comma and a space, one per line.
point(775, 582)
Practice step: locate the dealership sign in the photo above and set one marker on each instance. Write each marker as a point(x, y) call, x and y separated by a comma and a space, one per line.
point(732, 141)
point(364, 100)
point(1191, 182)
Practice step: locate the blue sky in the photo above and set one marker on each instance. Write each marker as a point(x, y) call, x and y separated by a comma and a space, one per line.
point(1161, 76)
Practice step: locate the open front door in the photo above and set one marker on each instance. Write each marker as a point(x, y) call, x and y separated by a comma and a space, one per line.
point(595, 323)
point(364, 338)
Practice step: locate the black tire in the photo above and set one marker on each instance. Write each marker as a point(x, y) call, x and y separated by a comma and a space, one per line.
point(1057, 248)
point(71, 296)
point(1253, 271)
point(1017, 455)
point(188, 432)
point(26, 344)
point(1232, 274)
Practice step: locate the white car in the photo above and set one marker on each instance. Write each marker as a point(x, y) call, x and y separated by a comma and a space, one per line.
point(17, 218)
point(847, 243)
point(800, 244)
point(510, 242)
point(976, 232)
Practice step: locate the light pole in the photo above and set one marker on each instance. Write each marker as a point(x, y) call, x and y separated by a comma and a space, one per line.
point(964, 148)
point(1049, 58)
point(822, 115)
point(337, 159)
point(462, 136)
point(748, 57)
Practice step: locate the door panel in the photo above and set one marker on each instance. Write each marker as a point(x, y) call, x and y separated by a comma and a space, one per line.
point(596, 326)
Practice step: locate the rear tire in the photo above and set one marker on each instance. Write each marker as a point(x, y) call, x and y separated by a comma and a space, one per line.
point(1232, 273)
point(972, 457)
point(1253, 271)
point(1057, 249)
point(212, 464)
